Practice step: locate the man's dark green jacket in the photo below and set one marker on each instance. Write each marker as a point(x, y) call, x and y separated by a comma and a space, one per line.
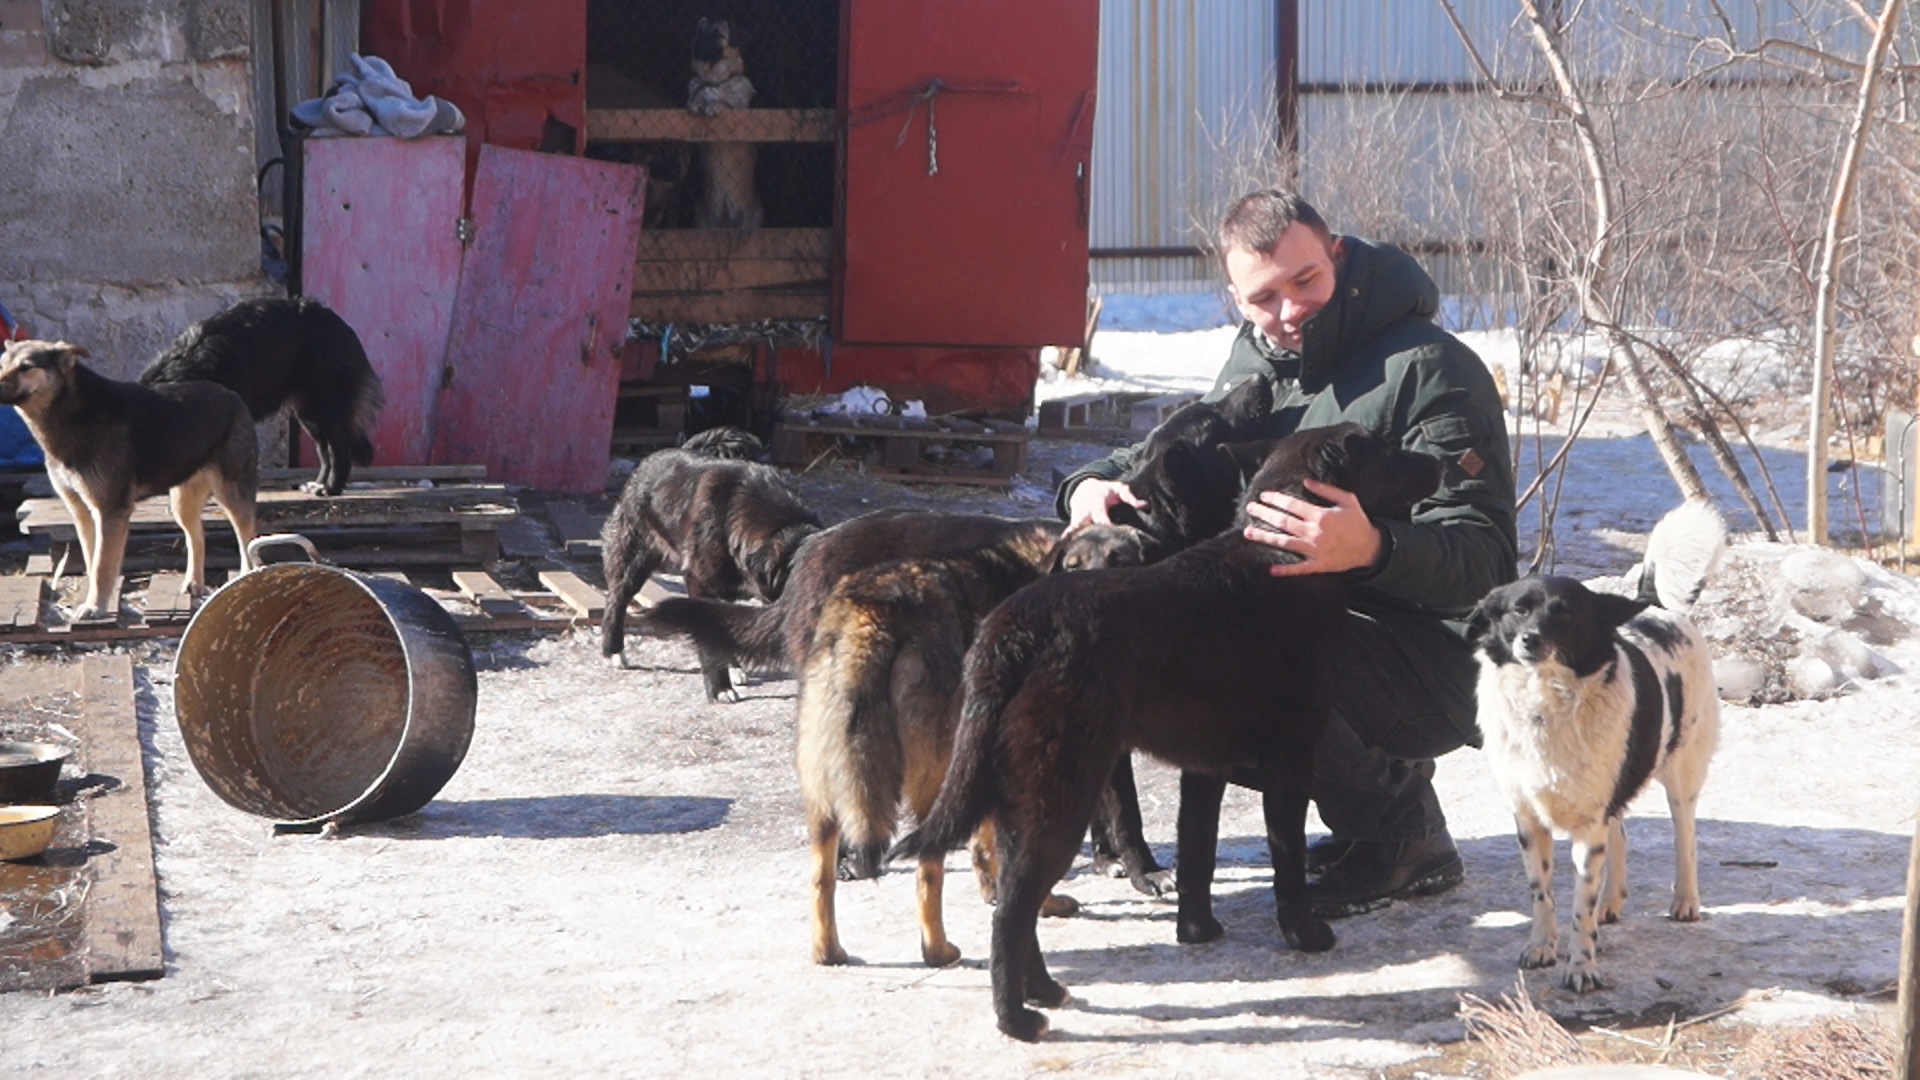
point(1373, 355)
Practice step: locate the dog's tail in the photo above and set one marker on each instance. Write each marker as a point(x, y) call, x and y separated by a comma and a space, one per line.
point(1682, 552)
point(971, 789)
point(743, 634)
point(852, 763)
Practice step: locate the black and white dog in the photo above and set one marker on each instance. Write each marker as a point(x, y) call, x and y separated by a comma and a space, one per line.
point(1583, 697)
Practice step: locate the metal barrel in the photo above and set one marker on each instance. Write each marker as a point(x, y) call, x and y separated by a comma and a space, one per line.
point(312, 694)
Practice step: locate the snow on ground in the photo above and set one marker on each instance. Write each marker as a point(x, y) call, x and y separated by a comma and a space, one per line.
point(613, 883)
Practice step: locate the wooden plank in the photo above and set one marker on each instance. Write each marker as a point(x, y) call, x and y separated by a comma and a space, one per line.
point(729, 307)
point(383, 474)
point(720, 245)
point(487, 594)
point(123, 908)
point(41, 564)
point(677, 277)
point(653, 590)
point(523, 538)
point(44, 945)
point(20, 597)
point(579, 531)
point(167, 599)
point(584, 599)
point(284, 511)
point(738, 125)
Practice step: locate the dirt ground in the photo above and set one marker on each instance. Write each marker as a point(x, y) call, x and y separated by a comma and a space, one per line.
point(613, 884)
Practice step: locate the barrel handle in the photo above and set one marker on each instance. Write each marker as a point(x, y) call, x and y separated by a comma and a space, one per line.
point(255, 545)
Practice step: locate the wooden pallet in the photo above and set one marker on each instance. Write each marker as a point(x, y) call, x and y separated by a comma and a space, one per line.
point(909, 447)
point(1104, 415)
point(387, 523)
point(87, 910)
point(479, 603)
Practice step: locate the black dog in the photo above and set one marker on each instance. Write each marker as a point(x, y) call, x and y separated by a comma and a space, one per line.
point(1190, 484)
point(277, 353)
point(1205, 660)
point(731, 527)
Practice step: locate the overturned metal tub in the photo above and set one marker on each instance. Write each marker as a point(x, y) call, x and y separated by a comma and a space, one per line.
point(311, 694)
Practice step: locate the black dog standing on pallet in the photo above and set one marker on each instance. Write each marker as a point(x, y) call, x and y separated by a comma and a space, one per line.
point(1206, 660)
point(278, 353)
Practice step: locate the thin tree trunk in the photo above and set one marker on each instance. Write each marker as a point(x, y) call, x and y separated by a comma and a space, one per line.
point(1593, 307)
point(1820, 425)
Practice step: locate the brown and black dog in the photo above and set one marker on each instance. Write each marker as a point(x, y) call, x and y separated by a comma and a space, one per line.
point(880, 694)
point(111, 443)
point(781, 634)
point(1205, 660)
point(730, 526)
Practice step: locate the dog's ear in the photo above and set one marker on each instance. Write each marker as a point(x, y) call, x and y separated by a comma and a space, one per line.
point(1616, 611)
point(70, 353)
point(1485, 614)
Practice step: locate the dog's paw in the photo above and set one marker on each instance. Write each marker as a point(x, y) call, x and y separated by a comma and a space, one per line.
point(1581, 978)
point(1685, 909)
point(1059, 906)
point(1158, 883)
point(1197, 930)
point(315, 487)
point(940, 954)
point(723, 695)
point(1050, 993)
point(829, 954)
point(1312, 935)
point(1539, 955)
point(1026, 1025)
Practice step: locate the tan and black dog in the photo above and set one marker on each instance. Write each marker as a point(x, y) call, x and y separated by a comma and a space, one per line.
point(880, 693)
point(111, 443)
point(1204, 660)
point(720, 85)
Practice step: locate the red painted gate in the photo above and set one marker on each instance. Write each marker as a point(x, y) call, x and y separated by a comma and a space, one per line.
point(969, 139)
point(533, 363)
point(504, 353)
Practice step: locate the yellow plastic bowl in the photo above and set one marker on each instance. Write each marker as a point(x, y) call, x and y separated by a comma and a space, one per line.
point(25, 831)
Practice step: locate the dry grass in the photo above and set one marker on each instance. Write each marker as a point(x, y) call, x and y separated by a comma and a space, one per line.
point(1512, 1035)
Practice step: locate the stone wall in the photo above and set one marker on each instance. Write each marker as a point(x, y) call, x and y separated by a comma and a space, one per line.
point(127, 199)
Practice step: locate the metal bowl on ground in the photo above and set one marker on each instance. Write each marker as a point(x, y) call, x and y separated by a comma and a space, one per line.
point(29, 771)
point(25, 831)
point(312, 694)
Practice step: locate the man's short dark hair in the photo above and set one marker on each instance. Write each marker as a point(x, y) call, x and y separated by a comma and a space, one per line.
point(1257, 220)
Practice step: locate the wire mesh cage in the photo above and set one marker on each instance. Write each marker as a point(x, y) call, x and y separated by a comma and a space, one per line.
point(730, 107)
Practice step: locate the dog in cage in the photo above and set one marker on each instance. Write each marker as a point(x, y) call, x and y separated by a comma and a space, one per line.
point(720, 85)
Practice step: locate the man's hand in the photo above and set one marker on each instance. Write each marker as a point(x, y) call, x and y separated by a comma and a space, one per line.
point(1093, 499)
point(1329, 539)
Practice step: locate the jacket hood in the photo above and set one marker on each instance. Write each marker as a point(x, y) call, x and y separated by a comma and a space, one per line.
point(1378, 286)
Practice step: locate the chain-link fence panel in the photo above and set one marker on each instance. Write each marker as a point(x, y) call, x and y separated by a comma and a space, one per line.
point(730, 107)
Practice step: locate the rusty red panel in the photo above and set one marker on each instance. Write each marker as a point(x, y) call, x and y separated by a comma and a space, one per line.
point(533, 359)
point(946, 379)
point(514, 68)
point(970, 130)
point(379, 246)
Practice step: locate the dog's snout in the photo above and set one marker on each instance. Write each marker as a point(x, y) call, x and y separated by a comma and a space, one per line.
point(1529, 641)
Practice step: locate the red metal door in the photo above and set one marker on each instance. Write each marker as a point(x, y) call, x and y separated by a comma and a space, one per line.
point(380, 247)
point(533, 361)
point(969, 137)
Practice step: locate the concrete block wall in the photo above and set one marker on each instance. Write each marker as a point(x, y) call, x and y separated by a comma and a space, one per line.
point(127, 200)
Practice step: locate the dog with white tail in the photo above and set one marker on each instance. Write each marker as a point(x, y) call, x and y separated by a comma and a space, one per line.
point(1583, 697)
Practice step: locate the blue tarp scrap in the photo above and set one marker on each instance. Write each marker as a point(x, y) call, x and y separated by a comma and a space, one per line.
point(17, 448)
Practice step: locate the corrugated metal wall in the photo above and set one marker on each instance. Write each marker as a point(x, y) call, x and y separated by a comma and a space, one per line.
point(1187, 105)
point(1179, 81)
